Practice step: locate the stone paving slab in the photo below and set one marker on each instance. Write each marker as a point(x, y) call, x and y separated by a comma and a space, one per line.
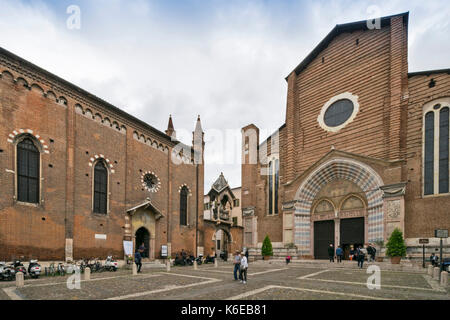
point(286, 293)
point(102, 289)
point(387, 278)
point(265, 281)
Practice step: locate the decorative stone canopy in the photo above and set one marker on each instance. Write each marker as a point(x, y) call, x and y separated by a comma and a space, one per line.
point(220, 185)
point(146, 205)
point(394, 190)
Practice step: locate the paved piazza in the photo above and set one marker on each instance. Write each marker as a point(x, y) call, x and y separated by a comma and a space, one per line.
point(265, 282)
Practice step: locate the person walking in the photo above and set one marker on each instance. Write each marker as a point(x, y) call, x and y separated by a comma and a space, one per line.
point(237, 264)
point(339, 253)
point(243, 268)
point(369, 253)
point(288, 259)
point(138, 260)
point(331, 252)
point(361, 255)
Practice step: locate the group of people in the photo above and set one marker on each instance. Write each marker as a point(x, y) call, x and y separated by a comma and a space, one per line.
point(359, 254)
point(240, 264)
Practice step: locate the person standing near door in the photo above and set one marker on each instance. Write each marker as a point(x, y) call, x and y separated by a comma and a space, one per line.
point(142, 250)
point(331, 252)
point(339, 254)
point(237, 264)
point(138, 260)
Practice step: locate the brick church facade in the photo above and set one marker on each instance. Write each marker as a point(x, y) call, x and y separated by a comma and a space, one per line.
point(79, 176)
point(364, 148)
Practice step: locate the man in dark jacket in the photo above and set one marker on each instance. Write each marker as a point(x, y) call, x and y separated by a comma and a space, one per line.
point(331, 252)
point(138, 260)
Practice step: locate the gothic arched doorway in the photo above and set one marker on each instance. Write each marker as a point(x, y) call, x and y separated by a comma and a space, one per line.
point(143, 237)
point(222, 241)
point(339, 190)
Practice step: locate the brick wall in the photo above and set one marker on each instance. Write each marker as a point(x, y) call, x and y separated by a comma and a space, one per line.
point(77, 128)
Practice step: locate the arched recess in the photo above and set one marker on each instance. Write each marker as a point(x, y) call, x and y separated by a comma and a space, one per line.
point(100, 188)
point(352, 201)
point(225, 240)
point(142, 237)
point(324, 205)
point(27, 142)
point(352, 170)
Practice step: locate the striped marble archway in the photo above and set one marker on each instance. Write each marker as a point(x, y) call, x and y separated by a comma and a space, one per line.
point(338, 169)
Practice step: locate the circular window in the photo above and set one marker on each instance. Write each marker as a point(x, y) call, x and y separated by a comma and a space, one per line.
point(150, 181)
point(338, 112)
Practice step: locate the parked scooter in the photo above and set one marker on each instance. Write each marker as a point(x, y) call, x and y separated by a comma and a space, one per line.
point(199, 259)
point(224, 255)
point(190, 260)
point(179, 261)
point(19, 267)
point(209, 259)
point(6, 272)
point(34, 269)
point(111, 264)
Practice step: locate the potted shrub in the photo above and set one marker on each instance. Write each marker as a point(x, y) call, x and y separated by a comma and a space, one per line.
point(266, 249)
point(396, 248)
point(380, 246)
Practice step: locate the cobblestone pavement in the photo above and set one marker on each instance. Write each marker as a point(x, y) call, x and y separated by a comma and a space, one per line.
point(265, 281)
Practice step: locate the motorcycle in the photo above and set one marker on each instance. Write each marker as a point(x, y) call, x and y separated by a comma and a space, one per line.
point(6, 272)
point(190, 260)
point(111, 264)
point(19, 267)
point(224, 255)
point(179, 261)
point(209, 259)
point(34, 269)
point(199, 259)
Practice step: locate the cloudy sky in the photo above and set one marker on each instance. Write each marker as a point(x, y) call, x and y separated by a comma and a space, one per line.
point(223, 60)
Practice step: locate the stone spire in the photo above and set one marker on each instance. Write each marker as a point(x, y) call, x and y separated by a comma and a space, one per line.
point(198, 142)
point(170, 129)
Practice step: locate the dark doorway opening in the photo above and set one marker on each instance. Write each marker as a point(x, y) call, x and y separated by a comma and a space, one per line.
point(351, 235)
point(143, 237)
point(323, 236)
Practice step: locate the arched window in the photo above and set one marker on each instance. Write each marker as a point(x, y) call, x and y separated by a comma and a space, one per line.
point(429, 154)
point(183, 206)
point(273, 186)
point(100, 188)
point(28, 167)
point(436, 146)
point(443, 150)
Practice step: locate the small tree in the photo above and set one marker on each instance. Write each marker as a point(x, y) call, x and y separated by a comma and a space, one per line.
point(396, 245)
point(266, 249)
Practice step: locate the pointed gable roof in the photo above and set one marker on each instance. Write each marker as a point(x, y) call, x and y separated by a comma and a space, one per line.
point(220, 185)
point(337, 30)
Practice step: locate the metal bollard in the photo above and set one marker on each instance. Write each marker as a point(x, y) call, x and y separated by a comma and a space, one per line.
point(134, 269)
point(216, 264)
point(444, 278)
point(168, 266)
point(436, 272)
point(87, 273)
point(430, 270)
point(195, 265)
point(20, 282)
